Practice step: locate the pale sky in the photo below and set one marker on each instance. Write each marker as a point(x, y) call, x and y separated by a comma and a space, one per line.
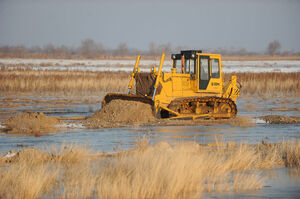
point(249, 24)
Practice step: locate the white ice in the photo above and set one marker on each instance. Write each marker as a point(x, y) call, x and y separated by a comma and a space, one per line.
point(127, 65)
point(71, 125)
point(259, 121)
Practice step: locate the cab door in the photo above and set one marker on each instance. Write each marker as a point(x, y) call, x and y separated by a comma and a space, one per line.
point(204, 72)
point(215, 84)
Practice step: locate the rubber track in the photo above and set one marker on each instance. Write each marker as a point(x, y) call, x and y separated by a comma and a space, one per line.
point(177, 102)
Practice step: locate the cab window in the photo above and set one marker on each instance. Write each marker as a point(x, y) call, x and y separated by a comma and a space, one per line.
point(215, 69)
point(204, 69)
point(192, 66)
point(177, 65)
point(187, 66)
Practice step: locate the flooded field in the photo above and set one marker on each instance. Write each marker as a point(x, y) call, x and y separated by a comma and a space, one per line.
point(267, 124)
point(251, 129)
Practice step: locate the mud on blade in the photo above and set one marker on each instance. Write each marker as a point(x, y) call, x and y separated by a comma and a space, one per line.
point(138, 98)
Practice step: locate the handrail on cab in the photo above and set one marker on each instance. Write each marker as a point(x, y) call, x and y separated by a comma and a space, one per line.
point(135, 70)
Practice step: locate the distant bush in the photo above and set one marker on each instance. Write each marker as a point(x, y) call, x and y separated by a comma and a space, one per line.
point(90, 49)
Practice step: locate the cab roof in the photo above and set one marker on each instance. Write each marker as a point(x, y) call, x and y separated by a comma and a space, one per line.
point(191, 54)
point(188, 54)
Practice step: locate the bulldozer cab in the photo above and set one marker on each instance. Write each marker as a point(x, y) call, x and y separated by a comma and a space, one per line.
point(204, 69)
point(185, 62)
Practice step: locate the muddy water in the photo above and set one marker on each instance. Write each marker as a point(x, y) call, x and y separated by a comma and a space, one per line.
point(110, 139)
point(107, 139)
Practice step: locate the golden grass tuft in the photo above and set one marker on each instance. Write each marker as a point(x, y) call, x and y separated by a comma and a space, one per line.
point(70, 154)
point(27, 180)
point(183, 170)
point(79, 181)
point(291, 154)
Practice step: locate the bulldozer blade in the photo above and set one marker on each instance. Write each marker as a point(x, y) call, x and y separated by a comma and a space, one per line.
point(116, 96)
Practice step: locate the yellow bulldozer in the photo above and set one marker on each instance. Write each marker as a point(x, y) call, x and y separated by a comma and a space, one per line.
point(194, 88)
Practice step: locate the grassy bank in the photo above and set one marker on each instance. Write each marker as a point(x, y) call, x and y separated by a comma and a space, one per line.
point(268, 84)
point(184, 170)
point(32, 80)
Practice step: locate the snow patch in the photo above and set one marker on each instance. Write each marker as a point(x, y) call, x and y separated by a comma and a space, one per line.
point(259, 121)
point(10, 154)
point(71, 125)
point(127, 65)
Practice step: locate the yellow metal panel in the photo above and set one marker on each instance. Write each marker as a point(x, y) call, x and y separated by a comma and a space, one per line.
point(174, 85)
point(135, 70)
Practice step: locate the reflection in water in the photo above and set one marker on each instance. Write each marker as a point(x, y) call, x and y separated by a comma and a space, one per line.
point(278, 184)
point(167, 133)
point(294, 174)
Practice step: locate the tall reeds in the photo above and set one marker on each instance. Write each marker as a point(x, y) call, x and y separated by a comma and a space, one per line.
point(31, 80)
point(183, 170)
point(272, 84)
point(268, 84)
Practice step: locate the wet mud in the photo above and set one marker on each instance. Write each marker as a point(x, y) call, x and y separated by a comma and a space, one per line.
point(121, 113)
point(31, 124)
point(280, 119)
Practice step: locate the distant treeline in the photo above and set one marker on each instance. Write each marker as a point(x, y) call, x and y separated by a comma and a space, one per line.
point(91, 49)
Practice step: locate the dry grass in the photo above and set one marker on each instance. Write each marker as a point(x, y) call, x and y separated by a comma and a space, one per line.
point(267, 84)
point(291, 155)
point(31, 80)
point(27, 181)
point(183, 170)
point(37, 173)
